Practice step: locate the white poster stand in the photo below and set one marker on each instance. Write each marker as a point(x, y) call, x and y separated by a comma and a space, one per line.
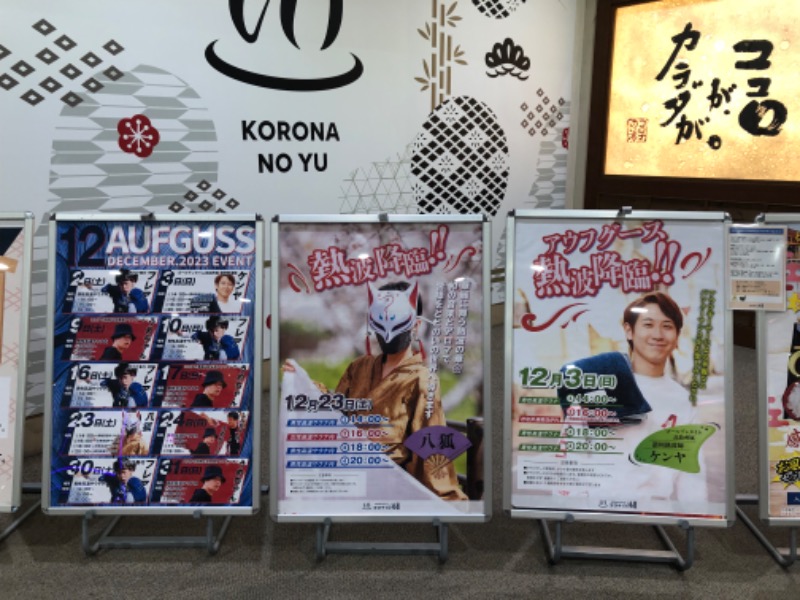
point(618, 390)
point(16, 244)
point(154, 356)
point(777, 342)
point(381, 347)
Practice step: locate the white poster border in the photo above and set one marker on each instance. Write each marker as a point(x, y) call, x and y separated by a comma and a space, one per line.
point(275, 370)
point(624, 214)
point(26, 221)
point(762, 350)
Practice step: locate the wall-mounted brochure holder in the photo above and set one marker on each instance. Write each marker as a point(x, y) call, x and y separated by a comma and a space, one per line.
point(154, 360)
point(380, 395)
point(618, 401)
point(16, 249)
point(777, 351)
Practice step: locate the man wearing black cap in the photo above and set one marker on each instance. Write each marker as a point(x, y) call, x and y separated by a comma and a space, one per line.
point(126, 297)
point(126, 393)
point(121, 340)
point(213, 384)
point(124, 488)
point(209, 437)
point(211, 481)
point(217, 345)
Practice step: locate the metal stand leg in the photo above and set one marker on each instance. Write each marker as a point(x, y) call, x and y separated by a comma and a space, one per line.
point(556, 550)
point(785, 557)
point(105, 540)
point(27, 488)
point(325, 546)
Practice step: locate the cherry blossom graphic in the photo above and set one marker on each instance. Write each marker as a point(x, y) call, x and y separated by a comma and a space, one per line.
point(138, 136)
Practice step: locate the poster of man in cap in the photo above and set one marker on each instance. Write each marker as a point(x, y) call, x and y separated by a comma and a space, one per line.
point(214, 338)
point(116, 339)
point(180, 385)
point(153, 376)
point(106, 385)
point(200, 481)
point(199, 432)
point(107, 481)
point(110, 291)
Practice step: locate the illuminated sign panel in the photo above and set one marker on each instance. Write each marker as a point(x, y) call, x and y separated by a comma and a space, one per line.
point(705, 89)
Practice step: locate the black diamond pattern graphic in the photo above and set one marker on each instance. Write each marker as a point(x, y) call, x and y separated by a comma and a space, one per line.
point(91, 59)
point(92, 85)
point(71, 99)
point(204, 185)
point(71, 71)
point(65, 43)
point(219, 194)
point(22, 68)
point(232, 203)
point(176, 207)
point(113, 73)
point(4, 52)
point(205, 205)
point(43, 27)
point(51, 85)
point(190, 196)
point(545, 119)
point(113, 47)
point(47, 56)
point(32, 97)
point(7, 81)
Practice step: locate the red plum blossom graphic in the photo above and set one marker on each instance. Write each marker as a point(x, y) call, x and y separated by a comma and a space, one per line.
point(138, 136)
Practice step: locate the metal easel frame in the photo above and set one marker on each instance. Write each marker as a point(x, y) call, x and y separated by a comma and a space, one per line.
point(784, 556)
point(210, 540)
point(555, 548)
point(106, 541)
point(324, 545)
point(27, 488)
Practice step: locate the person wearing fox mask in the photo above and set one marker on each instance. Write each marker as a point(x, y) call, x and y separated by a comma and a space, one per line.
point(396, 381)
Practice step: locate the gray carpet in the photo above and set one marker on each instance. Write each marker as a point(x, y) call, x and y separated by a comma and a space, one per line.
point(503, 558)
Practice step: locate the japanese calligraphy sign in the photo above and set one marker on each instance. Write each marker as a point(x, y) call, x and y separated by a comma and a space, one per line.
point(713, 94)
point(779, 350)
point(380, 330)
point(16, 241)
point(617, 381)
point(154, 358)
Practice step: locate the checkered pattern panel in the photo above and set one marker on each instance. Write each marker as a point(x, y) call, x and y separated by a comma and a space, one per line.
point(460, 162)
point(497, 9)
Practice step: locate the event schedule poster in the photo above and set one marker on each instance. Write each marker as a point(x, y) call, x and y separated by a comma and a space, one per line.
point(15, 240)
point(781, 347)
point(154, 358)
point(381, 341)
point(617, 381)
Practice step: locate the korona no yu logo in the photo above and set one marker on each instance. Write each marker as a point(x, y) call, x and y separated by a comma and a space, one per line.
point(287, 17)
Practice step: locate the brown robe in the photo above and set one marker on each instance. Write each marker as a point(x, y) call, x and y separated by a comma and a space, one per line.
point(402, 397)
